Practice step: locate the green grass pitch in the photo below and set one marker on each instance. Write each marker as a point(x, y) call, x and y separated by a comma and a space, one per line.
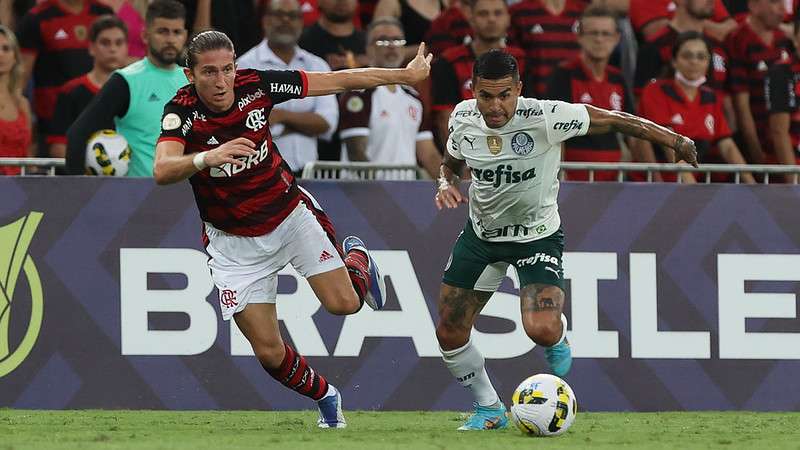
point(42, 430)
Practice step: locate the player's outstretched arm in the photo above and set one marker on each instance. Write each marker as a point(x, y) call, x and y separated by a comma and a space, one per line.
point(604, 121)
point(324, 83)
point(447, 193)
point(171, 165)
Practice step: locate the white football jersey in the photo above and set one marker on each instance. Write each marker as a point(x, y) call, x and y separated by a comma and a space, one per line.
point(514, 191)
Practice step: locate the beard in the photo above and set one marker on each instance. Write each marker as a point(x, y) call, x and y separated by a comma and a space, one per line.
point(162, 57)
point(338, 16)
point(284, 39)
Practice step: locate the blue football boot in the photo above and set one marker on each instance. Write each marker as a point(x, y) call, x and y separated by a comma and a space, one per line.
point(559, 357)
point(486, 418)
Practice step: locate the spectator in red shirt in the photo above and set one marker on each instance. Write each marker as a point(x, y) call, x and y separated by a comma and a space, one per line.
point(15, 112)
point(683, 104)
point(589, 78)
point(451, 73)
point(655, 56)
point(650, 16)
point(753, 47)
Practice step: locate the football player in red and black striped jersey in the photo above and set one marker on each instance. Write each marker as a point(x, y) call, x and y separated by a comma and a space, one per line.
point(215, 132)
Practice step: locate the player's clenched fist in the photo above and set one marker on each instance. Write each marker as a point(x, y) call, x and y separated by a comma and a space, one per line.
point(230, 152)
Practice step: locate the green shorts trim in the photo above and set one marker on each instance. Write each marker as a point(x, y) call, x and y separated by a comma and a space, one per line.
point(480, 265)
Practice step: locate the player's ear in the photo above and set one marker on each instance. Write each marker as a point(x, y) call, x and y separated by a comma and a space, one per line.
point(189, 76)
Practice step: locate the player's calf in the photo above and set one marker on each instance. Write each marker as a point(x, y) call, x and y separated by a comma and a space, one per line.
point(544, 328)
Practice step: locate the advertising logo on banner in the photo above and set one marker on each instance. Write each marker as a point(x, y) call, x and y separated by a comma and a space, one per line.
point(15, 260)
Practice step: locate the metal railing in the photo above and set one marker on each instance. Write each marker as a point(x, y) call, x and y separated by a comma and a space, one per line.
point(23, 163)
point(338, 170)
point(335, 170)
point(706, 170)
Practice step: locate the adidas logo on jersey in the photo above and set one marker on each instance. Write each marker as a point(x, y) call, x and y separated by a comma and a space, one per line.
point(762, 66)
point(677, 119)
point(325, 256)
point(153, 97)
point(537, 29)
point(586, 98)
point(61, 35)
point(212, 141)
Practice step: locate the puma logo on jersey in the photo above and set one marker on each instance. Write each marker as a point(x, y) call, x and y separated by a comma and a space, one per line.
point(229, 170)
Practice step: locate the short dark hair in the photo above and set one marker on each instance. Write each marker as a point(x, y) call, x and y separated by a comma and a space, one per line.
point(205, 41)
point(687, 36)
point(164, 9)
point(494, 65)
point(598, 11)
point(106, 22)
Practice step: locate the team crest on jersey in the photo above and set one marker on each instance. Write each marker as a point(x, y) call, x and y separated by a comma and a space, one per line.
point(355, 104)
point(709, 123)
point(495, 144)
point(171, 122)
point(522, 143)
point(256, 119)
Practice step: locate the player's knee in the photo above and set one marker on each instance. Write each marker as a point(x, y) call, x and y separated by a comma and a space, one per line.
point(343, 303)
point(451, 337)
point(545, 331)
point(271, 354)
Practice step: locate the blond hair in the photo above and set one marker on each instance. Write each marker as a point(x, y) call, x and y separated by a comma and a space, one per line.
point(15, 77)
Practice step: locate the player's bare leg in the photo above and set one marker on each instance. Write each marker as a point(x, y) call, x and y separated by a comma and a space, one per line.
point(458, 309)
point(541, 306)
point(335, 291)
point(259, 324)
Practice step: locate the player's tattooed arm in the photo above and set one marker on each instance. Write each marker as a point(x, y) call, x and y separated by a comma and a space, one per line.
point(448, 194)
point(324, 83)
point(604, 121)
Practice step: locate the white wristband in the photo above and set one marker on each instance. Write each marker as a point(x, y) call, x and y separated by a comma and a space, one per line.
point(199, 160)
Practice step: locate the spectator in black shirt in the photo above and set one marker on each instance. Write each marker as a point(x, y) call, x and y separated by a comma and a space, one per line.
point(334, 38)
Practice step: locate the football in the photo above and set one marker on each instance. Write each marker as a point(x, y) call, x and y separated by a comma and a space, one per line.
point(108, 154)
point(543, 405)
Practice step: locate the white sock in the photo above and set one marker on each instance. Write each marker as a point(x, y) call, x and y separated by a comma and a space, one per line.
point(331, 391)
point(467, 365)
point(563, 330)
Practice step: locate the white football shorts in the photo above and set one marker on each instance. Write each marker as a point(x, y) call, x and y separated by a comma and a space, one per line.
point(245, 269)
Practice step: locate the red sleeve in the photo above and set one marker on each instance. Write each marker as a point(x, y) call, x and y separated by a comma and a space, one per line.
point(643, 12)
point(354, 110)
point(720, 12)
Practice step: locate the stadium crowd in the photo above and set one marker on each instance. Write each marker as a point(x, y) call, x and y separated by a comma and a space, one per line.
point(725, 73)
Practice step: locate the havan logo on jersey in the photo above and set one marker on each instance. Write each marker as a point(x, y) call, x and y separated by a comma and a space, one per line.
point(285, 88)
point(229, 170)
point(503, 174)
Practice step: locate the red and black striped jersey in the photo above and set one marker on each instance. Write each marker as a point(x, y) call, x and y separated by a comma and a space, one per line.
point(252, 199)
point(547, 39)
point(782, 87)
point(451, 75)
point(749, 59)
point(573, 82)
point(72, 100)
point(60, 41)
point(642, 12)
point(448, 29)
point(656, 55)
point(700, 119)
point(739, 11)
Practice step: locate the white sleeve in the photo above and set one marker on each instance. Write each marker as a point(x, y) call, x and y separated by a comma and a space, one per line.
point(454, 138)
point(564, 120)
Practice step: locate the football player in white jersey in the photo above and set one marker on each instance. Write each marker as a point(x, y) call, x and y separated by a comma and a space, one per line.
point(512, 147)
